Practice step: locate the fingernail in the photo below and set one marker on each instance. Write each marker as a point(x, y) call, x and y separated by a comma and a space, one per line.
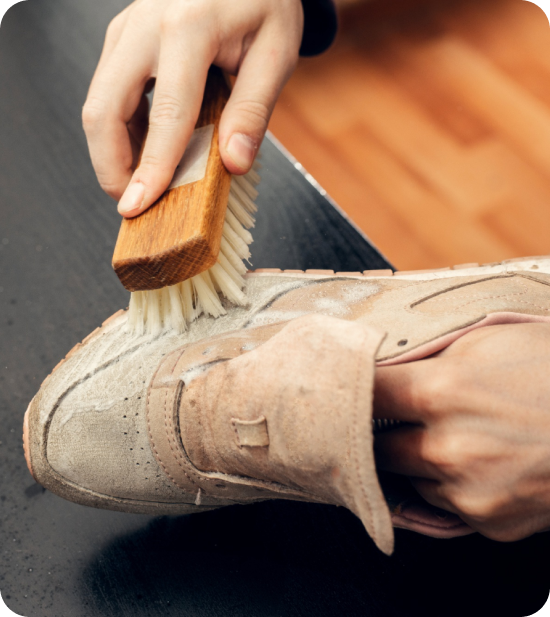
point(242, 150)
point(132, 198)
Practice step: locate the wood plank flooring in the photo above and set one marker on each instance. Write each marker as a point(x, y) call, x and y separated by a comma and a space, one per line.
point(429, 123)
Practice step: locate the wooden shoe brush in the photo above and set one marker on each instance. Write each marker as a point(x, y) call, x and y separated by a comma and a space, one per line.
point(179, 256)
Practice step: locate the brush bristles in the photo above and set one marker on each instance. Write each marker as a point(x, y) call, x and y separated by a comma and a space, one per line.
point(174, 308)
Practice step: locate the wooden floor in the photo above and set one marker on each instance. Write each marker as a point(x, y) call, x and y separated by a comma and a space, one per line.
point(430, 126)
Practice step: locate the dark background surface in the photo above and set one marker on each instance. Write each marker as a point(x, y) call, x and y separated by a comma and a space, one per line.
point(57, 233)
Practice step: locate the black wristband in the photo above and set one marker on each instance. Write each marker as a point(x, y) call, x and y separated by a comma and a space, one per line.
point(320, 26)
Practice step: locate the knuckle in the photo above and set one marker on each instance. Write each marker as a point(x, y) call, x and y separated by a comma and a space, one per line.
point(153, 170)
point(94, 113)
point(448, 453)
point(434, 453)
point(166, 110)
point(482, 508)
point(181, 14)
point(257, 110)
point(112, 188)
point(115, 27)
point(431, 394)
point(169, 23)
point(148, 160)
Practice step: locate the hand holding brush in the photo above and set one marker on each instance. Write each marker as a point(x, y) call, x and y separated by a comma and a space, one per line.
point(173, 43)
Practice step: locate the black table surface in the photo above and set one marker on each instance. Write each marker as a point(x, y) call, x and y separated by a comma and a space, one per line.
point(57, 232)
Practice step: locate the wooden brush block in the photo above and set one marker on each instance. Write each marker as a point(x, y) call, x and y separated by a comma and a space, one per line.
point(179, 236)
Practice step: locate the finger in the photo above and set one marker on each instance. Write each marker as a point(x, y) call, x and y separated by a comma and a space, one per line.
point(263, 73)
point(434, 492)
point(480, 510)
point(395, 392)
point(183, 67)
point(403, 451)
point(114, 97)
point(112, 36)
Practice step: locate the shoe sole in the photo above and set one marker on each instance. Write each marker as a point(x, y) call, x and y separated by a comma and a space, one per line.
point(522, 264)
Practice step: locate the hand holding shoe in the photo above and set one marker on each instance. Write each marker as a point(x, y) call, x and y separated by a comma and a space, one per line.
point(479, 440)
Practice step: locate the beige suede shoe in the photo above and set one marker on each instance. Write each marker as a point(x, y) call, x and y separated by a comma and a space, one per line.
point(270, 401)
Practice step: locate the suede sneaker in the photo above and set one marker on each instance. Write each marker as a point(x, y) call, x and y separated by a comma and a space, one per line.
point(271, 401)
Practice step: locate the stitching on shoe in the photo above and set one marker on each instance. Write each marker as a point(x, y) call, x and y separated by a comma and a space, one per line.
point(180, 457)
point(356, 444)
point(459, 286)
point(151, 438)
point(154, 447)
point(480, 297)
point(476, 298)
point(169, 427)
point(170, 432)
point(544, 308)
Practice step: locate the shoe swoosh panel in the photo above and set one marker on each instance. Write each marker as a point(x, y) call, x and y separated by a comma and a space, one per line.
point(461, 305)
point(416, 314)
point(411, 312)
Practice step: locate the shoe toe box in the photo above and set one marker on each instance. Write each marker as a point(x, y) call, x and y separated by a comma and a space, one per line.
point(86, 436)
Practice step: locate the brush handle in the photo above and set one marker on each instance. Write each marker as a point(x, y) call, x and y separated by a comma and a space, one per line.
point(179, 236)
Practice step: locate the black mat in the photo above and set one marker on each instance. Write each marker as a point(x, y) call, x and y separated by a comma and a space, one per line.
point(57, 232)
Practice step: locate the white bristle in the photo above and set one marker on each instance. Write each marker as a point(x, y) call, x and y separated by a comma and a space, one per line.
point(243, 233)
point(190, 310)
point(227, 286)
point(209, 299)
point(246, 186)
point(243, 198)
point(231, 255)
point(153, 319)
point(178, 322)
point(242, 214)
point(136, 317)
point(239, 246)
point(253, 177)
point(236, 275)
point(173, 308)
point(164, 304)
point(206, 278)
